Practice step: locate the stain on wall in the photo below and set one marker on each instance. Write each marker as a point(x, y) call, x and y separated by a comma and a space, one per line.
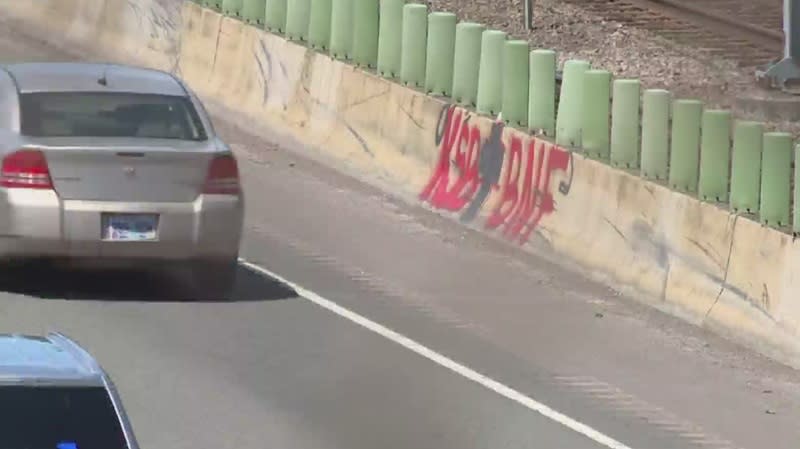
point(509, 170)
point(276, 84)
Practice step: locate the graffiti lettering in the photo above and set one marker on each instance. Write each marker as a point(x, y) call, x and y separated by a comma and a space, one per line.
point(455, 136)
point(518, 172)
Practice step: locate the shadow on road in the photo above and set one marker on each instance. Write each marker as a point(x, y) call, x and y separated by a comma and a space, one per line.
point(102, 285)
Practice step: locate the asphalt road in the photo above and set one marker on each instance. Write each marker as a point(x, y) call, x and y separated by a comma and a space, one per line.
point(276, 369)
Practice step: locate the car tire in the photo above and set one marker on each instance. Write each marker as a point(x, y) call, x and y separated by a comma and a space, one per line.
point(214, 281)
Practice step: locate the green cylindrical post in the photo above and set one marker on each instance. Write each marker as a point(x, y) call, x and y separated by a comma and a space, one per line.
point(746, 167)
point(715, 156)
point(625, 124)
point(655, 134)
point(542, 92)
point(390, 37)
point(776, 177)
point(342, 29)
point(232, 8)
point(255, 10)
point(415, 41)
point(684, 162)
point(365, 33)
point(214, 4)
point(490, 74)
point(275, 15)
point(319, 24)
point(796, 214)
point(297, 17)
point(466, 62)
point(596, 112)
point(440, 48)
point(515, 83)
point(568, 119)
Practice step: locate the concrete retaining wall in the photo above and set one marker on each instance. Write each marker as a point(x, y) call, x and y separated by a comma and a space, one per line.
point(692, 258)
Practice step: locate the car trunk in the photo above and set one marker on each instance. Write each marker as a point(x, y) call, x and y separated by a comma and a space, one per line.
point(138, 170)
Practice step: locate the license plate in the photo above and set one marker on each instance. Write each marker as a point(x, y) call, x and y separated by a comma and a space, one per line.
point(130, 227)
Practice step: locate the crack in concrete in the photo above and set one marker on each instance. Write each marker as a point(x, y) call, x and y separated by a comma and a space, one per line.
point(216, 50)
point(365, 99)
point(410, 117)
point(724, 283)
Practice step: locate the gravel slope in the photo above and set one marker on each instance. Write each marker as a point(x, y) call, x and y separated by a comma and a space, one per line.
point(626, 51)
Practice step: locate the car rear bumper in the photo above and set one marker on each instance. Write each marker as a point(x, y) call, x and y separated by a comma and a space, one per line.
point(37, 223)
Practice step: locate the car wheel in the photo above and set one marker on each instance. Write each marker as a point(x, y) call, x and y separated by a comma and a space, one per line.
point(214, 281)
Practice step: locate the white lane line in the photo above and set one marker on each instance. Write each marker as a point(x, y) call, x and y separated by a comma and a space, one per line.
point(444, 361)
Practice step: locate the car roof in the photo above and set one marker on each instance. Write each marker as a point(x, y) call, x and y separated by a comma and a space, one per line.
point(86, 77)
point(51, 359)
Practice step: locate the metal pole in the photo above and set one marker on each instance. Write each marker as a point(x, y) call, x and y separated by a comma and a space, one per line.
point(785, 75)
point(791, 27)
point(529, 14)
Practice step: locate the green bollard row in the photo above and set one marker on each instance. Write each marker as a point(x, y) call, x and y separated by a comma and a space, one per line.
point(694, 150)
point(655, 134)
point(776, 174)
point(466, 63)
point(596, 111)
point(440, 53)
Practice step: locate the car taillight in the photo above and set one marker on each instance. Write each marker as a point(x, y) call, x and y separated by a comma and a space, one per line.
point(223, 176)
point(25, 169)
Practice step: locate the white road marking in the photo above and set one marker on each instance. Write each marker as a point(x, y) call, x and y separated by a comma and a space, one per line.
point(444, 361)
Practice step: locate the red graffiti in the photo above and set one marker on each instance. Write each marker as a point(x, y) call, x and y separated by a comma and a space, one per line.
point(518, 172)
point(519, 214)
point(463, 141)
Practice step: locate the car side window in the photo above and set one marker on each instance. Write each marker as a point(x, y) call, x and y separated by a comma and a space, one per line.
point(202, 108)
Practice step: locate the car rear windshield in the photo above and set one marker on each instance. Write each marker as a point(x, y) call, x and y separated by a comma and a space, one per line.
point(58, 418)
point(102, 114)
